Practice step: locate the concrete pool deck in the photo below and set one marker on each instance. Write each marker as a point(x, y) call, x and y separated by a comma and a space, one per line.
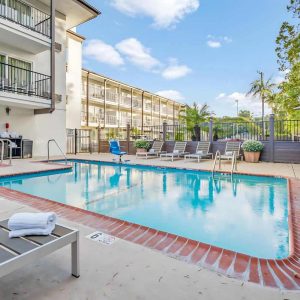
point(266, 169)
point(122, 270)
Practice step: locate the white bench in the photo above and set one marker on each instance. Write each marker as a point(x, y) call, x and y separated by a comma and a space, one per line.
point(18, 252)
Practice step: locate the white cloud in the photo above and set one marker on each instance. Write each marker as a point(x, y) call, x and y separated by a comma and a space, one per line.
point(164, 13)
point(220, 96)
point(175, 70)
point(102, 52)
point(217, 41)
point(137, 54)
point(214, 44)
point(246, 102)
point(171, 94)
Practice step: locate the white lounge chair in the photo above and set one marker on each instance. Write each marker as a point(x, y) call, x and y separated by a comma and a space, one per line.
point(18, 252)
point(202, 151)
point(178, 151)
point(231, 148)
point(155, 150)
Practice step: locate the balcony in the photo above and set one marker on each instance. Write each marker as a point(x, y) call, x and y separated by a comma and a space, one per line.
point(111, 120)
point(24, 26)
point(126, 101)
point(24, 87)
point(96, 95)
point(112, 97)
point(148, 107)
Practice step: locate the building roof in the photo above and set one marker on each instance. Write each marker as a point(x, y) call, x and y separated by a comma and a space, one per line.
point(89, 6)
point(76, 35)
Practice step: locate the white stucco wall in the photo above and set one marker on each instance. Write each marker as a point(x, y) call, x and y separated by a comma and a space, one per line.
point(41, 128)
point(74, 57)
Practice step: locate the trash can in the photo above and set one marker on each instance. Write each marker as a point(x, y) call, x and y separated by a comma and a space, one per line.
point(27, 146)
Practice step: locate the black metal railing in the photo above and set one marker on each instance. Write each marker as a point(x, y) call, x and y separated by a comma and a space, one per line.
point(148, 133)
point(21, 81)
point(82, 141)
point(25, 15)
point(287, 130)
point(179, 133)
point(107, 134)
point(241, 131)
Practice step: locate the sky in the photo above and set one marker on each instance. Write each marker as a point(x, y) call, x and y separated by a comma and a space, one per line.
point(203, 51)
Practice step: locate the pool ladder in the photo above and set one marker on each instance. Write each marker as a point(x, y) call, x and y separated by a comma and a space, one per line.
point(54, 141)
point(218, 158)
point(2, 143)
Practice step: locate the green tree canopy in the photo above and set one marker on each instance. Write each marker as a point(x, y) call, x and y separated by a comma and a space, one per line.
point(195, 114)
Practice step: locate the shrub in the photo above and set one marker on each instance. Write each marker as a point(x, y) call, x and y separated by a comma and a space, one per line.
point(252, 146)
point(141, 144)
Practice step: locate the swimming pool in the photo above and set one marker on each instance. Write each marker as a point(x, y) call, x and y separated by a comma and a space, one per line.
point(247, 214)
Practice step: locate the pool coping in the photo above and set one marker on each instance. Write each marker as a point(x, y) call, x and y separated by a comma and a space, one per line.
point(275, 273)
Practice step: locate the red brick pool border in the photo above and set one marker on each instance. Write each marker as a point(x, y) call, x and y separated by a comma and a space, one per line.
point(283, 273)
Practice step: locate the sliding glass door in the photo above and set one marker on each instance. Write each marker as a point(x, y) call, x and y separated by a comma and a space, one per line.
point(19, 12)
point(19, 74)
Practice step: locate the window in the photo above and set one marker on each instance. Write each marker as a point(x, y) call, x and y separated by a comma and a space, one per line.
point(19, 73)
point(19, 12)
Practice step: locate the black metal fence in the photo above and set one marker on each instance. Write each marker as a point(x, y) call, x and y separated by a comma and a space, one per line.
point(25, 15)
point(279, 130)
point(280, 137)
point(82, 141)
point(287, 130)
point(148, 133)
point(241, 130)
point(21, 81)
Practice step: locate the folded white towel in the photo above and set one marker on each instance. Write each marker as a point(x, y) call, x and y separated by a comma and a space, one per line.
point(32, 231)
point(21, 221)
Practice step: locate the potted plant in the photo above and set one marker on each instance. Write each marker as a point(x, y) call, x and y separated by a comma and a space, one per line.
point(252, 150)
point(141, 145)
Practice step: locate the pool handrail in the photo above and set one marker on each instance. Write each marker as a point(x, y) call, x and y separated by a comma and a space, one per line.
point(54, 141)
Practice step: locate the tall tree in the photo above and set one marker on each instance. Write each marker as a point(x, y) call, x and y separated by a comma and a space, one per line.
point(288, 40)
point(288, 53)
point(262, 89)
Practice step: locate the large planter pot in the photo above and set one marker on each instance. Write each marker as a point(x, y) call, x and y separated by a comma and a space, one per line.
point(252, 157)
point(141, 150)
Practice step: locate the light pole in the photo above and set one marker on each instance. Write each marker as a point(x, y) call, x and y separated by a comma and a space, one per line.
point(237, 107)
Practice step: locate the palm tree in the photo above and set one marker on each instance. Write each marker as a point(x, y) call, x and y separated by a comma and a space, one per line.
point(195, 114)
point(263, 89)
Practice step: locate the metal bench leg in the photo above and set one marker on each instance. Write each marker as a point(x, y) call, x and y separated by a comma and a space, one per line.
point(75, 257)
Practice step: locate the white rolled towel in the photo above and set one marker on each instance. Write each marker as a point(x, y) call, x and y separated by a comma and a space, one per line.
point(32, 231)
point(21, 221)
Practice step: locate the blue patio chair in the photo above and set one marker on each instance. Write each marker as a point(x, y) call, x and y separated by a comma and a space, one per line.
point(115, 149)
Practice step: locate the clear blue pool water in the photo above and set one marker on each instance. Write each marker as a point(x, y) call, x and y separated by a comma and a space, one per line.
point(247, 214)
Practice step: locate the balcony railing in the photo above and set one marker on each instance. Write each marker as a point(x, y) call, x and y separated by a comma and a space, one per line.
point(25, 15)
point(125, 101)
point(21, 81)
point(111, 120)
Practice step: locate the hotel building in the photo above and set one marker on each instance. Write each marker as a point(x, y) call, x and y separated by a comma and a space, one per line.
point(35, 47)
point(107, 103)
